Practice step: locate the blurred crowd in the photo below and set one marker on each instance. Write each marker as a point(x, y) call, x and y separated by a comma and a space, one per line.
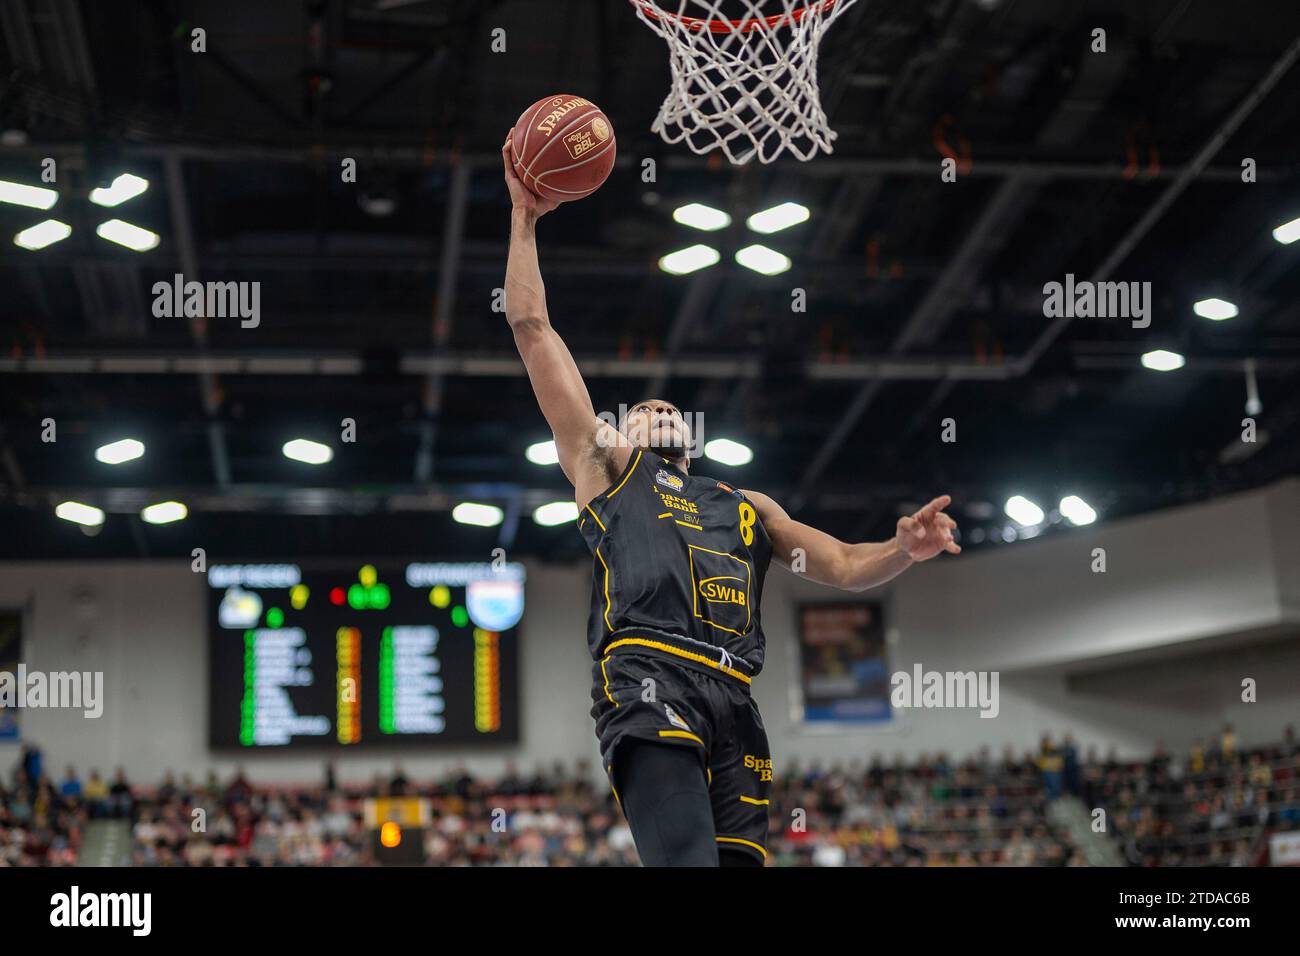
point(1212, 806)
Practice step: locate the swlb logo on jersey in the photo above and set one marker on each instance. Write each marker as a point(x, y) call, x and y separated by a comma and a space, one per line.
point(670, 481)
point(723, 590)
point(675, 719)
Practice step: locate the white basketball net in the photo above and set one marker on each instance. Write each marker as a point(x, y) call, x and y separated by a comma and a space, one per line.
point(747, 86)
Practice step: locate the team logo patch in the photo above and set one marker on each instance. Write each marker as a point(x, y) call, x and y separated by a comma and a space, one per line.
point(724, 589)
point(670, 481)
point(675, 719)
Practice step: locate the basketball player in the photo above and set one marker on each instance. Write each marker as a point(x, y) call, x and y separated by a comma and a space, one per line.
point(678, 575)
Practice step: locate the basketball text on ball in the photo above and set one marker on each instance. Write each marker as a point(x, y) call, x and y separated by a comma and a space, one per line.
point(547, 126)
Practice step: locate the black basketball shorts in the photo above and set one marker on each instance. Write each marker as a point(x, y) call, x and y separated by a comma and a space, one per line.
point(652, 694)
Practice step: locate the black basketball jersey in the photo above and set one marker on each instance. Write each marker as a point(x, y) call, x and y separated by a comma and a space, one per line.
point(676, 553)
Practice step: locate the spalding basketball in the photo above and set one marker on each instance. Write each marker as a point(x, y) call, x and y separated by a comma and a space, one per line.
point(563, 147)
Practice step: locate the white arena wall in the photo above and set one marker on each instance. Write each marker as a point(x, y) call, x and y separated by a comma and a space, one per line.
point(1194, 599)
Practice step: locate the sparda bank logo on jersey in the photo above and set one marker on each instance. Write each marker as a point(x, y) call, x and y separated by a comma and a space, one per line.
point(723, 590)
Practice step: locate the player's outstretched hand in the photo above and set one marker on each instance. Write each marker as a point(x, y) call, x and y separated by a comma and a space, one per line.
point(520, 195)
point(923, 535)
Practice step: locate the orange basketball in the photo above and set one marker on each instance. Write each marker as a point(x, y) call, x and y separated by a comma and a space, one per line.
point(563, 147)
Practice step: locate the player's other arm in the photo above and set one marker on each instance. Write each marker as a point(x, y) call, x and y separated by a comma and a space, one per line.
point(857, 567)
point(588, 448)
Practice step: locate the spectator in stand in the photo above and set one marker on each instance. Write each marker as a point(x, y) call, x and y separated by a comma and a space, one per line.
point(96, 795)
point(1196, 759)
point(1159, 761)
point(399, 783)
point(32, 764)
point(239, 789)
point(1288, 814)
point(119, 795)
point(1228, 743)
point(168, 789)
point(1070, 758)
point(1052, 767)
point(70, 788)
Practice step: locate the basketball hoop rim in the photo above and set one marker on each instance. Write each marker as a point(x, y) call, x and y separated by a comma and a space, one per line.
point(747, 25)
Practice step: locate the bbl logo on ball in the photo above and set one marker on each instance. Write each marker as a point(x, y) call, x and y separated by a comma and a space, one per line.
point(586, 137)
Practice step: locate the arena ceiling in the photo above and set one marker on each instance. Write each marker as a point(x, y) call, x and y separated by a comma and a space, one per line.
point(924, 299)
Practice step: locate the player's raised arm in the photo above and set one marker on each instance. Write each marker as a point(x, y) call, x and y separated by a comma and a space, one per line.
point(856, 567)
point(557, 383)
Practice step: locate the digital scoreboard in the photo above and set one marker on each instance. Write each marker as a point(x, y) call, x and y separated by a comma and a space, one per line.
point(356, 654)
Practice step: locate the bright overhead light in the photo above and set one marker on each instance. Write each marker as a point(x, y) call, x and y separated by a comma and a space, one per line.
point(127, 186)
point(728, 452)
point(543, 453)
point(42, 234)
point(690, 259)
point(164, 512)
point(762, 259)
point(1216, 309)
point(1162, 360)
point(1023, 511)
point(484, 516)
point(556, 512)
point(33, 197)
point(699, 216)
point(1288, 232)
point(778, 217)
point(125, 234)
point(306, 450)
point(1076, 510)
point(76, 512)
point(114, 453)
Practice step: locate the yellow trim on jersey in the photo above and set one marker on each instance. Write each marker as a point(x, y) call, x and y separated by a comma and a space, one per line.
point(757, 803)
point(610, 772)
point(636, 461)
point(606, 676)
point(686, 525)
point(596, 516)
point(607, 606)
point(710, 773)
point(721, 839)
point(669, 649)
point(681, 733)
point(666, 514)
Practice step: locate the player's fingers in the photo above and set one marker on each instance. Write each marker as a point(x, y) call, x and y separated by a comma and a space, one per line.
point(952, 547)
point(911, 526)
point(935, 506)
point(945, 521)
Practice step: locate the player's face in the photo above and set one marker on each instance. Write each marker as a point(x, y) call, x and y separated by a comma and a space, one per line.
point(658, 425)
